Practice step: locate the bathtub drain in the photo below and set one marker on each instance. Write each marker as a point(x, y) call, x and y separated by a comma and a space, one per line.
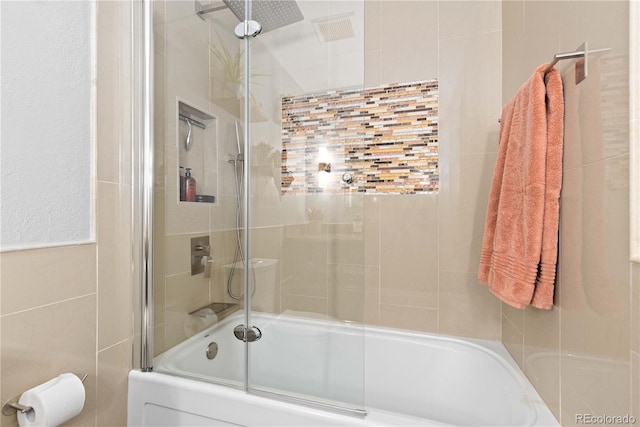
point(212, 350)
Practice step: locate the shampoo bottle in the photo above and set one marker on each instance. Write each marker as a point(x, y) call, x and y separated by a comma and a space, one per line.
point(189, 186)
point(183, 194)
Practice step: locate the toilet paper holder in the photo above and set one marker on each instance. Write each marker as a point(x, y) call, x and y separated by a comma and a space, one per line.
point(11, 406)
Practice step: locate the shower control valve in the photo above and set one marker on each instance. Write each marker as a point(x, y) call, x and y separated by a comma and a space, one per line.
point(347, 178)
point(200, 250)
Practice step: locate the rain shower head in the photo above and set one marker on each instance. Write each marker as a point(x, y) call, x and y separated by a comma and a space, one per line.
point(271, 14)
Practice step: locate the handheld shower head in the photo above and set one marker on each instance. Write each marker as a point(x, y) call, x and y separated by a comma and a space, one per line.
point(234, 159)
point(187, 141)
point(238, 138)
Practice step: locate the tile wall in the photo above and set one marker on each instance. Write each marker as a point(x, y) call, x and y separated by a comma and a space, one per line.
point(67, 309)
point(385, 137)
point(186, 71)
point(580, 355)
point(412, 259)
point(422, 251)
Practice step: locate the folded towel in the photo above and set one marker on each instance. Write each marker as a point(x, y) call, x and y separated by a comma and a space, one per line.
point(520, 244)
point(545, 282)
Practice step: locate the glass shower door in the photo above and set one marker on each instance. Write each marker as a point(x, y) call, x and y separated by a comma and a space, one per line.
point(305, 242)
point(268, 127)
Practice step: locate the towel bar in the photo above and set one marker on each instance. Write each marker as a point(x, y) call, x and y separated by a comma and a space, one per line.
point(581, 64)
point(582, 56)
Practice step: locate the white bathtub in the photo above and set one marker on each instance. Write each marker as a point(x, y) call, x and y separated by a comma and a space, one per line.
point(407, 379)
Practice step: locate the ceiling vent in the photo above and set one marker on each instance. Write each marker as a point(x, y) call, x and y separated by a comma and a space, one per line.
point(334, 28)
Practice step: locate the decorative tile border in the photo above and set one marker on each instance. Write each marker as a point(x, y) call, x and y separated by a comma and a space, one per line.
point(385, 137)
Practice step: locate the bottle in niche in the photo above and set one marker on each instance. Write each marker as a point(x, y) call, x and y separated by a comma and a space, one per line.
point(183, 194)
point(189, 187)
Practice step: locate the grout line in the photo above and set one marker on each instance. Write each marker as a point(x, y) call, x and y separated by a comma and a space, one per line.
point(514, 326)
point(50, 304)
point(411, 306)
point(604, 159)
point(466, 36)
point(112, 346)
point(167, 276)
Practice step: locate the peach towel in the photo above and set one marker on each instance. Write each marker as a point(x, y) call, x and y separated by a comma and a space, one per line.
point(520, 244)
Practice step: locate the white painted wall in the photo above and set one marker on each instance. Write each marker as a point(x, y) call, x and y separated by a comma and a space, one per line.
point(46, 123)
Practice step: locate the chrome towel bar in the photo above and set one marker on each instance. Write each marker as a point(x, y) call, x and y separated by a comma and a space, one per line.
point(581, 64)
point(582, 56)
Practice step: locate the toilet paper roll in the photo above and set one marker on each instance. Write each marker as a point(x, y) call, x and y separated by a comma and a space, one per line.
point(54, 402)
point(199, 321)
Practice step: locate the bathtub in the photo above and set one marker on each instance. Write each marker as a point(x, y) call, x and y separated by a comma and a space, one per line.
point(407, 379)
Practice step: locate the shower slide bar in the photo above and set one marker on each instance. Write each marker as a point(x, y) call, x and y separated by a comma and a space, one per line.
point(191, 121)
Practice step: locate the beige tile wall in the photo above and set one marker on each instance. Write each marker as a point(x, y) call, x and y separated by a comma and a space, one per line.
point(422, 251)
point(184, 71)
point(419, 253)
point(426, 283)
point(419, 261)
point(580, 355)
point(322, 269)
point(413, 263)
point(68, 309)
point(42, 341)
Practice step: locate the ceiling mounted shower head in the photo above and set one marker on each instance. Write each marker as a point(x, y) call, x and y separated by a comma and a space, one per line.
point(271, 14)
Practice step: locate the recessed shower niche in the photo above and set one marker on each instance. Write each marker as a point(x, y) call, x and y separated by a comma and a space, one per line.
point(197, 155)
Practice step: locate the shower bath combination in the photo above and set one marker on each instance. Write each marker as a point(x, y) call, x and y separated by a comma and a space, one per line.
point(285, 356)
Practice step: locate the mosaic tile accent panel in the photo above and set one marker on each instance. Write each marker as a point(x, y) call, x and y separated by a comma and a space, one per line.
point(385, 137)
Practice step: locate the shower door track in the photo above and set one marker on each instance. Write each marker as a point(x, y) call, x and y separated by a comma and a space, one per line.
point(329, 407)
